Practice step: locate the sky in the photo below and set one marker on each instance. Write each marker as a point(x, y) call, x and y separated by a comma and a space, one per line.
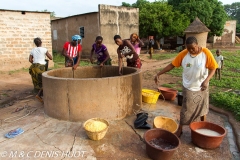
point(64, 8)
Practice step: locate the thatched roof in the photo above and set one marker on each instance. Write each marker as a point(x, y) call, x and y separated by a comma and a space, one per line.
point(196, 27)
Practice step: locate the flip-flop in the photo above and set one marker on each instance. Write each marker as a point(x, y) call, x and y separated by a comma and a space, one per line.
point(14, 133)
point(39, 98)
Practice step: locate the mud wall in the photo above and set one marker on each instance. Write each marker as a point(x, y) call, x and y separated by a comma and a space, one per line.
point(93, 92)
point(17, 30)
point(228, 36)
point(117, 20)
point(201, 37)
point(63, 29)
point(107, 22)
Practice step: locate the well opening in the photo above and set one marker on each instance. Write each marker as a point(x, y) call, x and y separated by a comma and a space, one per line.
point(91, 72)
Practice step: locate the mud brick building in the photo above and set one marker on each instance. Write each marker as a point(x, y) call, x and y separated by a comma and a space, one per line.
point(228, 37)
point(107, 22)
point(17, 30)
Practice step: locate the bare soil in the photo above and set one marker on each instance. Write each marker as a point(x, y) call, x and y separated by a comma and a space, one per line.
point(151, 67)
point(16, 85)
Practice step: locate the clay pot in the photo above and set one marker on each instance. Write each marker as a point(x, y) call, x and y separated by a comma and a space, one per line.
point(167, 93)
point(180, 98)
point(205, 141)
point(157, 153)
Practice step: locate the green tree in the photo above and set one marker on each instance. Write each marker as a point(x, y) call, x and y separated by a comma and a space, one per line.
point(233, 12)
point(159, 19)
point(210, 12)
point(126, 4)
point(52, 14)
point(238, 28)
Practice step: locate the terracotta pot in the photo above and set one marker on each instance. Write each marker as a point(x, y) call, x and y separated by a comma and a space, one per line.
point(205, 141)
point(157, 153)
point(167, 93)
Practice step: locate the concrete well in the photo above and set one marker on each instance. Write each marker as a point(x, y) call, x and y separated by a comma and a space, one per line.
point(93, 92)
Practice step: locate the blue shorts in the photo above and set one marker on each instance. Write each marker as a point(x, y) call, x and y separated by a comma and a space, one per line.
point(75, 60)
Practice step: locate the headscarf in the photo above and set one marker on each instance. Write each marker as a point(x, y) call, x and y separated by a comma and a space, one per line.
point(79, 37)
point(75, 38)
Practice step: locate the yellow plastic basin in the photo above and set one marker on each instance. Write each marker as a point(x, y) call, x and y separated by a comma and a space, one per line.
point(150, 96)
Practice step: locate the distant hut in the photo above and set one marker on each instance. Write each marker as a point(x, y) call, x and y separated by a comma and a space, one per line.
point(198, 30)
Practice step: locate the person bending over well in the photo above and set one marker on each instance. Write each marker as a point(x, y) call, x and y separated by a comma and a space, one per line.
point(126, 49)
point(101, 52)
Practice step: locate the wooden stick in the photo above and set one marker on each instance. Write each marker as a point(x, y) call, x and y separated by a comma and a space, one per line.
point(73, 69)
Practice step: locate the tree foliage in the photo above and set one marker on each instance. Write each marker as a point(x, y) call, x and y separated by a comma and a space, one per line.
point(210, 12)
point(233, 12)
point(238, 28)
point(159, 19)
point(52, 14)
point(126, 4)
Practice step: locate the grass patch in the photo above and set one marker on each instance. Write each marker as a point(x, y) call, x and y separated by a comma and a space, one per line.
point(227, 100)
point(85, 63)
point(169, 85)
point(58, 57)
point(176, 86)
point(230, 80)
point(177, 71)
point(58, 65)
point(18, 71)
point(163, 56)
point(231, 71)
point(5, 94)
point(59, 61)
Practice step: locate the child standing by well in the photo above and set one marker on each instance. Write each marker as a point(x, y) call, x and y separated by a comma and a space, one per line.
point(219, 60)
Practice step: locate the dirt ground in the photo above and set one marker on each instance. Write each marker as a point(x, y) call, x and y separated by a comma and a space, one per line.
point(17, 86)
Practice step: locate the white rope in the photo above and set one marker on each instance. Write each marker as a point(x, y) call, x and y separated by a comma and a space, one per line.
point(28, 112)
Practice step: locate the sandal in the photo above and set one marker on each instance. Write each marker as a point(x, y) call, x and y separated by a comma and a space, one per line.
point(14, 133)
point(39, 98)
